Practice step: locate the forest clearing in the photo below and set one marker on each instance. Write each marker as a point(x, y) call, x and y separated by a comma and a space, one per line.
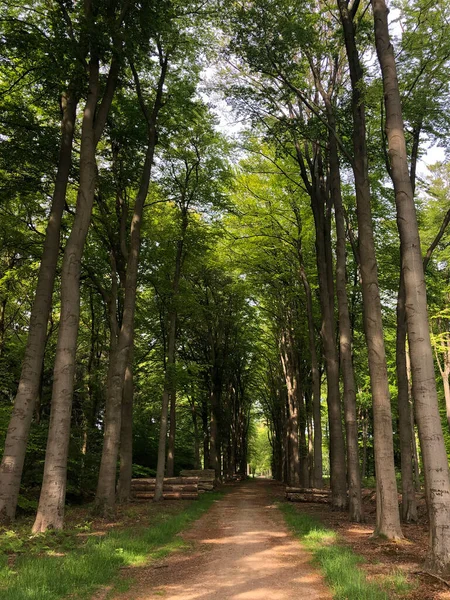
point(224, 299)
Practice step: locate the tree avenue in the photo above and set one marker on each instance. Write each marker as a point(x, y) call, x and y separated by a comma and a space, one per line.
point(224, 222)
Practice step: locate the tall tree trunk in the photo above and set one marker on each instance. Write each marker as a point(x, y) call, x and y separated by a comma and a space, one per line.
point(50, 512)
point(328, 330)
point(315, 375)
point(214, 442)
point(106, 487)
point(205, 429)
point(345, 333)
point(388, 517)
point(365, 436)
point(287, 359)
point(409, 505)
point(422, 364)
point(170, 375)
point(303, 447)
point(30, 377)
point(126, 436)
point(197, 464)
point(171, 438)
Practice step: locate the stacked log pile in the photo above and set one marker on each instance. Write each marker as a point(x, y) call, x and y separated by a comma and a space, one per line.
point(297, 494)
point(174, 488)
point(206, 478)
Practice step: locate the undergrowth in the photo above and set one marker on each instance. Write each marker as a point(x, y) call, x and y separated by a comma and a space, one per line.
point(339, 564)
point(56, 565)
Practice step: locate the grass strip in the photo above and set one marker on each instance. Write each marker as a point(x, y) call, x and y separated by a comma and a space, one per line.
point(79, 571)
point(339, 564)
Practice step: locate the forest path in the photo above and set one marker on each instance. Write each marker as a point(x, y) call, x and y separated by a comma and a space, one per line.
point(242, 550)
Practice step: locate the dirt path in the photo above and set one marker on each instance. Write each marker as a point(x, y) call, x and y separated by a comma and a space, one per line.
point(242, 551)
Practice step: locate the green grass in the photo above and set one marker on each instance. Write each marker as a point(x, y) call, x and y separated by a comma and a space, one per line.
point(340, 566)
point(55, 565)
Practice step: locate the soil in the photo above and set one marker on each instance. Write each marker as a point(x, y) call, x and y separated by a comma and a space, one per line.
point(240, 550)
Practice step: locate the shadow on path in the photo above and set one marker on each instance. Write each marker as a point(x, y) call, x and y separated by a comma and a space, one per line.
point(242, 551)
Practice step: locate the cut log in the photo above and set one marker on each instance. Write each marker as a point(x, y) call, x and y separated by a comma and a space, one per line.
point(168, 480)
point(299, 490)
point(149, 487)
point(301, 497)
point(203, 474)
point(167, 495)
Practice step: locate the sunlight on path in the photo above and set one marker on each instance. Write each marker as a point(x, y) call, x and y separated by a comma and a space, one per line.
point(243, 551)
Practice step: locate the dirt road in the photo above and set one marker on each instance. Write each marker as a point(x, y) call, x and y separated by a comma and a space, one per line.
point(242, 551)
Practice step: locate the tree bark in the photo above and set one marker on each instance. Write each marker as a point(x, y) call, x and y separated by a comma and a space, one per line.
point(328, 330)
point(409, 504)
point(126, 436)
point(170, 375)
point(315, 376)
point(30, 377)
point(293, 458)
point(388, 517)
point(171, 438)
point(345, 336)
point(50, 512)
point(106, 488)
point(437, 480)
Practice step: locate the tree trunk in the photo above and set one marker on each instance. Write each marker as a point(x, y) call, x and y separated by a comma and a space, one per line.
point(28, 389)
point(293, 467)
point(205, 429)
point(388, 517)
point(364, 437)
point(214, 443)
point(345, 334)
point(171, 439)
point(422, 364)
point(315, 375)
point(328, 331)
point(170, 375)
point(409, 505)
point(126, 436)
point(196, 435)
point(50, 512)
point(106, 488)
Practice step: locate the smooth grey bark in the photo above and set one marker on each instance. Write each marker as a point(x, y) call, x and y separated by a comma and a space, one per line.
point(322, 222)
point(126, 436)
point(50, 512)
point(170, 374)
point(356, 512)
point(171, 438)
point(328, 332)
point(106, 487)
point(409, 504)
point(293, 457)
point(345, 330)
point(435, 461)
point(214, 439)
point(315, 376)
point(30, 377)
point(388, 517)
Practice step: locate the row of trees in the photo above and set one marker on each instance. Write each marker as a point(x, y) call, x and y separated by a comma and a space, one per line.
point(179, 294)
point(133, 134)
point(305, 75)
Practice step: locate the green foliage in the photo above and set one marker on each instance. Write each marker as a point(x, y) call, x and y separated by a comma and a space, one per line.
point(260, 450)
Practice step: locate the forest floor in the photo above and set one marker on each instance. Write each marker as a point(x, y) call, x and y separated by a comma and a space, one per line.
point(384, 558)
point(241, 550)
